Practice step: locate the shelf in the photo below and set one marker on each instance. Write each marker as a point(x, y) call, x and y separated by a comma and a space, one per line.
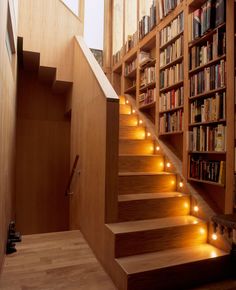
point(201, 67)
point(131, 90)
point(207, 152)
point(171, 41)
point(148, 86)
point(117, 68)
point(206, 182)
point(132, 74)
point(131, 54)
point(171, 133)
point(148, 64)
point(206, 94)
point(206, 36)
point(177, 60)
point(207, 123)
point(149, 40)
point(171, 110)
point(148, 106)
point(176, 85)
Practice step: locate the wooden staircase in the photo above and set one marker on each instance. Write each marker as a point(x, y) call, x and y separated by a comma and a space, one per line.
point(156, 243)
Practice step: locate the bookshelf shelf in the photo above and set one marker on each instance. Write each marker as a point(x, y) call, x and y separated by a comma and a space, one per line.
point(171, 41)
point(201, 67)
point(148, 86)
point(206, 36)
point(171, 133)
point(206, 182)
point(177, 60)
point(131, 89)
point(207, 123)
point(148, 64)
point(207, 152)
point(148, 40)
point(171, 110)
point(207, 94)
point(147, 106)
point(174, 86)
point(132, 74)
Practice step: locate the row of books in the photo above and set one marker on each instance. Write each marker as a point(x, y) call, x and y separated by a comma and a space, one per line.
point(171, 122)
point(143, 58)
point(210, 78)
point(130, 67)
point(210, 15)
point(166, 6)
point(206, 138)
point(208, 110)
point(171, 76)
point(171, 99)
point(147, 97)
point(173, 29)
point(172, 52)
point(132, 41)
point(117, 56)
point(148, 22)
point(212, 49)
point(148, 76)
point(208, 170)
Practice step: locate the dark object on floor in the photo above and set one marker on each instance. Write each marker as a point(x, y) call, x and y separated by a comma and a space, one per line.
point(13, 237)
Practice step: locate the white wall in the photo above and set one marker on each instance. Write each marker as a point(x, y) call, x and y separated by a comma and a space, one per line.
point(73, 5)
point(94, 23)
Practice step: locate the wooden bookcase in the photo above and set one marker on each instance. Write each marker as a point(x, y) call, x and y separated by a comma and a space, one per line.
point(178, 99)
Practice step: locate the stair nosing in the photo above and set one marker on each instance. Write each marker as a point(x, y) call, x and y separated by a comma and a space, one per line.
point(178, 194)
point(145, 173)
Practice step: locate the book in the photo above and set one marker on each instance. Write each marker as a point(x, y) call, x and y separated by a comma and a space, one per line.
point(220, 12)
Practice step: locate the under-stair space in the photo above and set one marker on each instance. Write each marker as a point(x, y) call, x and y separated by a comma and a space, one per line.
point(156, 240)
point(42, 147)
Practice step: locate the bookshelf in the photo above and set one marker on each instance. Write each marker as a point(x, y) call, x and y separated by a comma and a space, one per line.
point(175, 85)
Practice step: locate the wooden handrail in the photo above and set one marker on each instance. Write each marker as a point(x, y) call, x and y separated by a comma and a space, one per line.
point(73, 171)
point(102, 80)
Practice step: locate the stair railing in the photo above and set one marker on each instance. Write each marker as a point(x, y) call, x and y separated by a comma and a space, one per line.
point(72, 174)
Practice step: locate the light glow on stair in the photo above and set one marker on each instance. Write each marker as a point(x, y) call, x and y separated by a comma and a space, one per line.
point(181, 185)
point(202, 231)
point(157, 148)
point(133, 111)
point(140, 122)
point(196, 208)
point(213, 254)
point(127, 102)
point(214, 237)
point(186, 205)
point(148, 134)
point(168, 165)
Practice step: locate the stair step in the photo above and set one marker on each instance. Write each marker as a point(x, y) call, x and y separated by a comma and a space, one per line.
point(142, 236)
point(134, 147)
point(163, 270)
point(125, 109)
point(152, 205)
point(122, 100)
point(128, 120)
point(145, 163)
point(149, 182)
point(129, 132)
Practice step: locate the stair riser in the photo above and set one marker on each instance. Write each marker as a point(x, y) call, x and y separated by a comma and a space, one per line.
point(141, 163)
point(134, 147)
point(147, 241)
point(132, 133)
point(125, 109)
point(122, 100)
point(146, 183)
point(182, 276)
point(153, 208)
point(128, 120)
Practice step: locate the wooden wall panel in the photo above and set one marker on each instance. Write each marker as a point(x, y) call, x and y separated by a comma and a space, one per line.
point(48, 27)
point(7, 131)
point(94, 137)
point(42, 158)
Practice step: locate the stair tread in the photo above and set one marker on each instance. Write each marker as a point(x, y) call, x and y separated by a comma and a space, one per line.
point(167, 258)
point(152, 224)
point(144, 173)
point(140, 155)
point(144, 196)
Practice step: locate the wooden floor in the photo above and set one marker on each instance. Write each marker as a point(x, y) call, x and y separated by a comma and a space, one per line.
point(62, 261)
